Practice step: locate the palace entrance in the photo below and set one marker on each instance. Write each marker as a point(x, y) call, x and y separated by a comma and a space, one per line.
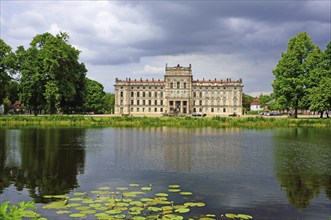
point(178, 107)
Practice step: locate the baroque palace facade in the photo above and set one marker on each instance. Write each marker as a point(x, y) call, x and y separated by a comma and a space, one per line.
point(178, 93)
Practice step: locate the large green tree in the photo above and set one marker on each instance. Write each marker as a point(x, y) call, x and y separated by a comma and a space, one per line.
point(319, 95)
point(109, 103)
point(52, 77)
point(94, 97)
point(291, 73)
point(7, 70)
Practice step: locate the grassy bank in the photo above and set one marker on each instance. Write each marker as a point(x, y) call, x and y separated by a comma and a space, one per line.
point(188, 122)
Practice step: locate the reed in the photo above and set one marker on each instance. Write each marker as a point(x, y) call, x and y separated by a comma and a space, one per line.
point(187, 122)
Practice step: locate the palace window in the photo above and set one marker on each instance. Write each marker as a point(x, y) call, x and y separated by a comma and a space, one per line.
point(121, 94)
point(171, 85)
point(137, 102)
point(184, 85)
point(137, 94)
point(155, 109)
point(155, 102)
point(161, 109)
point(143, 94)
point(161, 102)
point(150, 94)
point(131, 102)
point(178, 85)
point(132, 94)
point(150, 102)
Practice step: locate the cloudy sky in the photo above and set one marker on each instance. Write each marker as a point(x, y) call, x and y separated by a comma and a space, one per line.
point(221, 39)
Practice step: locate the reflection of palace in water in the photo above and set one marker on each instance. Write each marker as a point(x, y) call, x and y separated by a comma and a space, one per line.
point(174, 149)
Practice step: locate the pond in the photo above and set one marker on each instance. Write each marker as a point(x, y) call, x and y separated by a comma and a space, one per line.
point(280, 173)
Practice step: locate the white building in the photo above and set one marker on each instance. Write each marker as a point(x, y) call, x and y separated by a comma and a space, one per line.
point(178, 93)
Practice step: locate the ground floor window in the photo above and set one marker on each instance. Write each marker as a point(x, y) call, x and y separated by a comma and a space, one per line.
point(224, 109)
point(155, 109)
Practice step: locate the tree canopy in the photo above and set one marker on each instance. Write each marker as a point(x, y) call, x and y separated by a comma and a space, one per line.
point(52, 77)
point(299, 71)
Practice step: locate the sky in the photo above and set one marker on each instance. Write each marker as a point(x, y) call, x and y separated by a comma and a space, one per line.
point(137, 39)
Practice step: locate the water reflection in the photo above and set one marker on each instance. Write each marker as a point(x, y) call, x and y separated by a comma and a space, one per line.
point(45, 161)
point(303, 164)
point(174, 149)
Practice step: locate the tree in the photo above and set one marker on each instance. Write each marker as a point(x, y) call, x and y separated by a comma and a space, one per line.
point(246, 101)
point(292, 71)
point(319, 94)
point(94, 97)
point(263, 99)
point(7, 70)
point(109, 103)
point(52, 77)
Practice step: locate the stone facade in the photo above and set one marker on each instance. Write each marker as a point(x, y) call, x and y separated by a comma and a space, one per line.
point(179, 94)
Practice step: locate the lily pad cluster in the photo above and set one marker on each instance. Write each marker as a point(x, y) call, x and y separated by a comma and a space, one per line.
point(132, 202)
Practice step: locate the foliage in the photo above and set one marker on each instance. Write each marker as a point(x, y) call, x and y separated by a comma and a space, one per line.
point(246, 101)
point(109, 103)
point(263, 99)
point(319, 94)
point(52, 78)
point(23, 209)
point(94, 97)
point(292, 71)
point(7, 70)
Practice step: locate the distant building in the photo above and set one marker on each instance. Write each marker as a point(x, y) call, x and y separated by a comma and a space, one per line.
point(17, 107)
point(2, 109)
point(178, 93)
point(255, 106)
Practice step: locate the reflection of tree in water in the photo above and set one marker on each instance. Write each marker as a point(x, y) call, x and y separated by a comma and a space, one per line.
point(51, 159)
point(303, 165)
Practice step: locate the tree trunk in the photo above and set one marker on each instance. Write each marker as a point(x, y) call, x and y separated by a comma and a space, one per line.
point(321, 114)
point(295, 112)
point(327, 114)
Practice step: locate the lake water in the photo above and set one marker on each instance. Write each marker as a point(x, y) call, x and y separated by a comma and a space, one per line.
point(269, 173)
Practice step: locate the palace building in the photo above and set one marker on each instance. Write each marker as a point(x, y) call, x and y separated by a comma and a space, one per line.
point(178, 94)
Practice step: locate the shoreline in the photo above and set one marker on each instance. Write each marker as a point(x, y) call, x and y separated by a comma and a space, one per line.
point(143, 121)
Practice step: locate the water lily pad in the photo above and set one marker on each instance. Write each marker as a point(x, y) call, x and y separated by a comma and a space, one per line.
point(174, 186)
point(74, 205)
point(182, 210)
point(161, 194)
point(139, 218)
point(134, 184)
point(122, 204)
point(154, 209)
point(101, 215)
point(174, 190)
point(200, 204)
point(95, 205)
point(104, 188)
point(120, 216)
point(62, 212)
point(56, 205)
point(77, 215)
point(186, 193)
point(81, 208)
point(244, 217)
point(122, 188)
point(113, 212)
point(136, 203)
point(173, 217)
point(30, 214)
point(56, 197)
point(146, 188)
point(146, 199)
point(231, 215)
